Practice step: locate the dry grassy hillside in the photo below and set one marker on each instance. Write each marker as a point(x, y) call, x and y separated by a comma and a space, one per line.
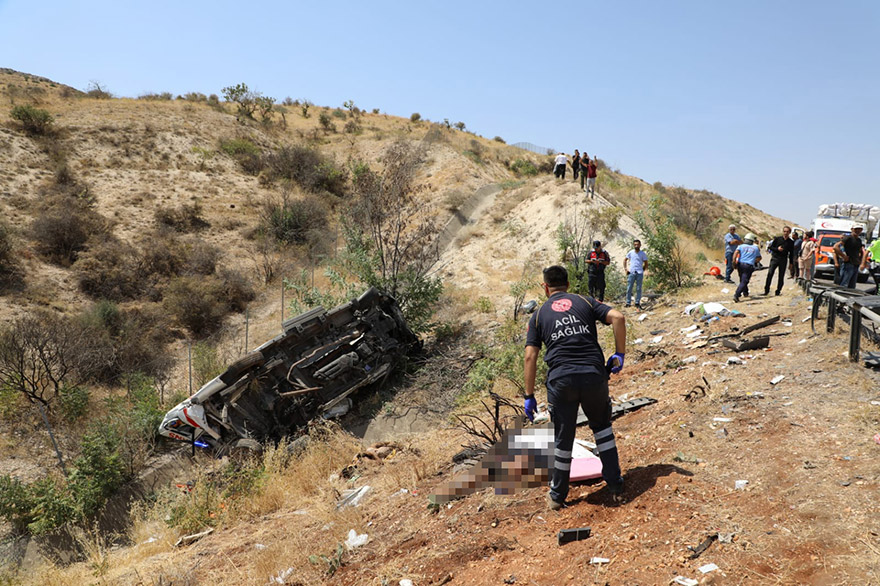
point(171, 198)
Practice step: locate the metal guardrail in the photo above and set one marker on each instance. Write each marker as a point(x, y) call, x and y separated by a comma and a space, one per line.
point(858, 305)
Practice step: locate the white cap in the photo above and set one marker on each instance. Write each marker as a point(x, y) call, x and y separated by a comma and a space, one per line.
point(858, 225)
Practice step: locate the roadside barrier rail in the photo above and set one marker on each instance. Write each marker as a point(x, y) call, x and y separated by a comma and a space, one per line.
point(859, 305)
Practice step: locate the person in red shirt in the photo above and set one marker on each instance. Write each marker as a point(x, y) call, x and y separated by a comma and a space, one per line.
point(597, 260)
point(591, 178)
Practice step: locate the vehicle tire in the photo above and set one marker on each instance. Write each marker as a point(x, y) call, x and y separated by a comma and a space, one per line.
point(241, 366)
point(242, 449)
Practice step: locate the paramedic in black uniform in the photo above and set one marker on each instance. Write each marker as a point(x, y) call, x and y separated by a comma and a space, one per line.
point(577, 376)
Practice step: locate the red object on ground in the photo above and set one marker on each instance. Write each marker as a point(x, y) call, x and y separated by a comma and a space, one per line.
point(715, 272)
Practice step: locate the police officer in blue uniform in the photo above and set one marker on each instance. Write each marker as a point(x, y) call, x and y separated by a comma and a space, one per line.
point(577, 376)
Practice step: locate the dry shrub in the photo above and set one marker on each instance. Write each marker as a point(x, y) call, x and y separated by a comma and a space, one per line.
point(454, 199)
point(186, 218)
point(194, 304)
point(235, 289)
point(306, 167)
point(291, 220)
point(199, 257)
point(110, 270)
point(10, 269)
point(62, 232)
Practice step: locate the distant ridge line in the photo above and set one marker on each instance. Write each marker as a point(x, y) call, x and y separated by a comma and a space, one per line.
point(527, 146)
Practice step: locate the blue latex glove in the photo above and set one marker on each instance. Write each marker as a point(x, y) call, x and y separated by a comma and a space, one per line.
point(615, 368)
point(530, 405)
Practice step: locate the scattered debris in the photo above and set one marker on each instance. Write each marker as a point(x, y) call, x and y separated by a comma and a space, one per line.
point(569, 535)
point(282, 576)
point(408, 582)
point(190, 539)
point(777, 379)
point(354, 540)
point(510, 579)
point(685, 581)
point(530, 306)
point(722, 419)
point(600, 561)
point(708, 568)
point(808, 465)
point(642, 317)
point(656, 339)
point(726, 538)
point(698, 390)
point(680, 457)
point(740, 484)
point(689, 329)
point(759, 325)
point(734, 360)
point(698, 550)
point(638, 341)
point(689, 360)
point(352, 497)
point(694, 334)
point(753, 344)
point(877, 439)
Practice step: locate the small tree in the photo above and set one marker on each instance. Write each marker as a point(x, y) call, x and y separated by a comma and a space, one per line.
point(670, 267)
point(265, 106)
point(42, 353)
point(390, 240)
point(460, 125)
point(241, 95)
point(415, 117)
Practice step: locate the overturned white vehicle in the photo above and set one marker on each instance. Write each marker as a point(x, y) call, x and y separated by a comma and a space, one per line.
point(320, 358)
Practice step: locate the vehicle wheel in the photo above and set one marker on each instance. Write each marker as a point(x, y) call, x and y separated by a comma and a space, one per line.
point(241, 366)
point(243, 448)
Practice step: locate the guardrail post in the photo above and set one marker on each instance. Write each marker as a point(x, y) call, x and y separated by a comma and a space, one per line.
point(855, 335)
point(832, 313)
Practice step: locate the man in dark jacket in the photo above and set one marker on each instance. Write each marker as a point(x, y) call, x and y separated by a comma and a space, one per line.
point(597, 260)
point(781, 252)
point(577, 376)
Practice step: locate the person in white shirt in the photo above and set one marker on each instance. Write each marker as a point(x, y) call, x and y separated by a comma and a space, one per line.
point(560, 164)
point(635, 263)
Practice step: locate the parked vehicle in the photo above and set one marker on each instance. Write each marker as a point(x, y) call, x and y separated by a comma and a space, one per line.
point(836, 220)
point(320, 359)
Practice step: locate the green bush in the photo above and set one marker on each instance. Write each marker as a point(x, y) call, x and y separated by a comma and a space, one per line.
point(110, 270)
point(415, 117)
point(337, 113)
point(98, 471)
point(670, 267)
point(238, 146)
point(307, 168)
point(234, 288)
point(499, 139)
point(73, 402)
point(326, 123)
point(522, 167)
point(10, 269)
point(291, 221)
point(156, 97)
point(33, 120)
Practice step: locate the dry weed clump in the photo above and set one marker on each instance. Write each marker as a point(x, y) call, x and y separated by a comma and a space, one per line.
point(186, 218)
point(61, 232)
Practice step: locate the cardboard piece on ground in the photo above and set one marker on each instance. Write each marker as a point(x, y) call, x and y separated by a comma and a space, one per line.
point(754, 344)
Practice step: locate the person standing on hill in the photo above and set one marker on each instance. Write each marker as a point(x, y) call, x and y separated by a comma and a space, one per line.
point(591, 178)
point(577, 376)
point(746, 257)
point(575, 164)
point(634, 264)
point(807, 257)
point(731, 241)
point(560, 165)
point(852, 253)
point(597, 260)
point(781, 251)
point(585, 167)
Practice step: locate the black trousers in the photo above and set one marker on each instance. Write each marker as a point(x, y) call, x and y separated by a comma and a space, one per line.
point(596, 284)
point(590, 392)
point(775, 264)
point(559, 170)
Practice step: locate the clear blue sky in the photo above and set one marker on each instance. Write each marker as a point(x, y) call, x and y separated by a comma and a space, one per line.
point(771, 102)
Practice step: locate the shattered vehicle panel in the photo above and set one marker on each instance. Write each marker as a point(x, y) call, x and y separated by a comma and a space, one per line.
point(320, 358)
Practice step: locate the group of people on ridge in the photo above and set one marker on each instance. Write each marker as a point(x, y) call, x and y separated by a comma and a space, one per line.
point(581, 165)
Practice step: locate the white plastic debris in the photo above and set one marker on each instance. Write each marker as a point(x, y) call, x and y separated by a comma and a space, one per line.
point(804, 341)
point(708, 568)
point(354, 540)
point(875, 402)
point(689, 329)
point(642, 317)
point(722, 419)
point(694, 334)
point(689, 360)
point(352, 497)
point(725, 291)
point(685, 581)
point(339, 409)
point(777, 379)
point(599, 561)
point(806, 319)
point(734, 360)
point(657, 339)
point(406, 582)
point(740, 484)
point(282, 576)
point(638, 341)
point(260, 546)
point(150, 540)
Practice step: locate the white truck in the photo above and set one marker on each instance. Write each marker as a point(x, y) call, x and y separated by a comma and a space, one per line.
point(836, 220)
